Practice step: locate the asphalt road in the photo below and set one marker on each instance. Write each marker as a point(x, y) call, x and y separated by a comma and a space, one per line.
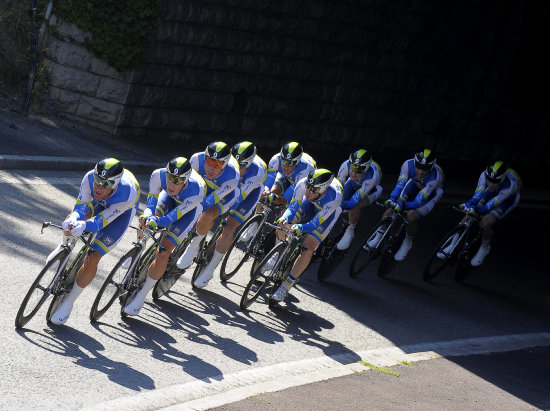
point(203, 337)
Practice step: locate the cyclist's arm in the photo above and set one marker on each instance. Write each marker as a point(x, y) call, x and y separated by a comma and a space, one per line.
point(83, 203)
point(175, 214)
point(108, 215)
point(320, 217)
point(343, 172)
point(480, 189)
point(360, 194)
point(498, 199)
point(217, 195)
point(272, 168)
point(422, 196)
point(296, 202)
point(155, 187)
point(401, 181)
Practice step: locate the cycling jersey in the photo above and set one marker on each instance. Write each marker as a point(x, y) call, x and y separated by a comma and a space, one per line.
point(185, 201)
point(319, 215)
point(500, 202)
point(423, 190)
point(368, 186)
point(223, 190)
point(251, 187)
point(110, 217)
point(275, 170)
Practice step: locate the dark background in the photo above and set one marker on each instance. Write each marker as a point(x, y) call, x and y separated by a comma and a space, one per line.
point(467, 78)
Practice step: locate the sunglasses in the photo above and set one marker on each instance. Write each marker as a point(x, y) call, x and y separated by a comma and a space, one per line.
point(175, 179)
point(492, 179)
point(103, 182)
point(289, 162)
point(357, 168)
point(312, 189)
point(423, 167)
point(216, 164)
point(243, 165)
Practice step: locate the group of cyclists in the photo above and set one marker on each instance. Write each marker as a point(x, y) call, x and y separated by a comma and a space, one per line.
point(190, 194)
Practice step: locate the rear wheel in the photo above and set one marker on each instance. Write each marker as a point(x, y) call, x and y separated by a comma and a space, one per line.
point(388, 248)
point(363, 257)
point(436, 264)
point(464, 267)
point(242, 248)
point(114, 285)
point(172, 273)
point(261, 277)
point(38, 293)
point(65, 282)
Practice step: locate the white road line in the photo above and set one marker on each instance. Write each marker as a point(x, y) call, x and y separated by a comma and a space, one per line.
point(224, 389)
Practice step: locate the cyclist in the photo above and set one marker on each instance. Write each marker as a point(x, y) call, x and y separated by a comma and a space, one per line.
point(419, 187)
point(315, 206)
point(497, 193)
point(220, 170)
point(361, 177)
point(174, 201)
point(284, 170)
point(107, 202)
point(253, 171)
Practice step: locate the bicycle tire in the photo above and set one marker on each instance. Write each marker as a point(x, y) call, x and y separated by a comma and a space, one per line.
point(362, 258)
point(388, 249)
point(436, 265)
point(281, 274)
point(64, 283)
point(41, 285)
point(172, 273)
point(260, 279)
point(464, 267)
point(226, 270)
point(113, 286)
point(206, 251)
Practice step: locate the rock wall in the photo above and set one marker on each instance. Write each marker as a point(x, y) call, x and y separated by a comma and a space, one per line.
point(466, 78)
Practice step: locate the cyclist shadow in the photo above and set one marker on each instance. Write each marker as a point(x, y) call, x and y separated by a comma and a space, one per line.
point(303, 326)
point(86, 352)
point(146, 336)
point(192, 321)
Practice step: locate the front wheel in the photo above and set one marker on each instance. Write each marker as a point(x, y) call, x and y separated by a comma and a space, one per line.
point(241, 248)
point(440, 258)
point(388, 248)
point(172, 273)
point(363, 257)
point(38, 293)
point(261, 276)
point(114, 284)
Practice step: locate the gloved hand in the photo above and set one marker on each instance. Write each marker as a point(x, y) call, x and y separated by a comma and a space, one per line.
point(297, 228)
point(142, 217)
point(463, 206)
point(68, 223)
point(269, 199)
point(398, 207)
point(152, 222)
point(280, 220)
point(390, 202)
point(78, 228)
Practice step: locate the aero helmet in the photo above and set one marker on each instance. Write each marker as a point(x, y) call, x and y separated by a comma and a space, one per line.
point(244, 153)
point(178, 170)
point(108, 173)
point(319, 180)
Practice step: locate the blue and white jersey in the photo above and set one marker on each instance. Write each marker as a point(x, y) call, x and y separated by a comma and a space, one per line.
point(326, 206)
point(427, 186)
point(275, 169)
point(254, 177)
point(366, 185)
point(510, 186)
point(123, 198)
point(187, 199)
point(225, 184)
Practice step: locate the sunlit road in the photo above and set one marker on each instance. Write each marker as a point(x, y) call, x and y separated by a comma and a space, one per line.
point(193, 335)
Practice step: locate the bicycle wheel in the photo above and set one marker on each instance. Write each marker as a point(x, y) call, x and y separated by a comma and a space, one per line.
point(241, 249)
point(172, 273)
point(114, 285)
point(281, 274)
point(464, 267)
point(64, 283)
point(330, 258)
point(362, 257)
point(38, 293)
point(205, 254)
point(388, 248)
point(436, 264)
point(260, 278)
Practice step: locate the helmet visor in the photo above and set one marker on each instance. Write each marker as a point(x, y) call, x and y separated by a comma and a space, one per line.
point(216, 164)
point(289, 162)
point(104, 182)
point(175, 179)
point(423, 167)
point(357, 168)
point(312, 189)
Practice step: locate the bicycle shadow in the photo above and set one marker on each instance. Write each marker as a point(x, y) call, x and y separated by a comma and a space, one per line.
point(86, 352)
point(143, 335)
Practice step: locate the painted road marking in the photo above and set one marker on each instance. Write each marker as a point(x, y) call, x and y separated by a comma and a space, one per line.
point(224, 389)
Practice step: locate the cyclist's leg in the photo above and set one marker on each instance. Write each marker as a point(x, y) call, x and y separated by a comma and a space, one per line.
point(105, 241)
